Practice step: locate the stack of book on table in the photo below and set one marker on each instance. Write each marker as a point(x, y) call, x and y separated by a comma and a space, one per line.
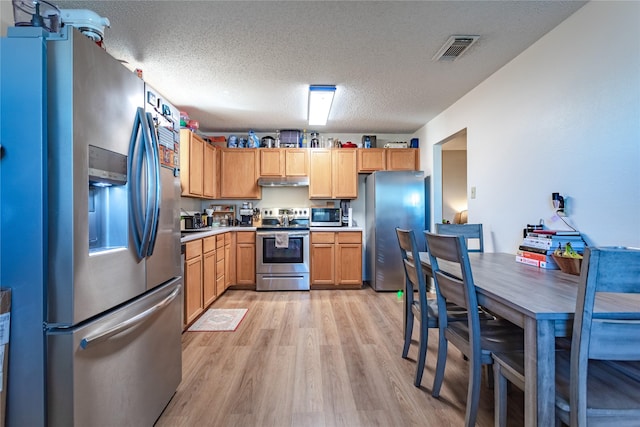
point(537, 247)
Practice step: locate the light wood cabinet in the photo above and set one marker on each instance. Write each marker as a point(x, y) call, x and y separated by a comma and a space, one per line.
point(345, 173)
point(320, 176)
point(228, 260)
point(403, 159)
point(392, 159)
point(209, 293)
point(193, 301)
point(220, 260)
point(239, 169)
point(191, 163)
point(323, 256)
point(336, 259)
point(280, 162)
point(246, 259)
point(210, 174)
point(296, 162)
point(349, 259)
point(333, 174)
point(371, 159)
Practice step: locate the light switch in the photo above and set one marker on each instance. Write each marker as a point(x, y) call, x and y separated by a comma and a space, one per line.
point(473, 192)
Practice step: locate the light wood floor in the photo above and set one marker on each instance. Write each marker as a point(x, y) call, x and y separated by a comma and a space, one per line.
point(319, 358)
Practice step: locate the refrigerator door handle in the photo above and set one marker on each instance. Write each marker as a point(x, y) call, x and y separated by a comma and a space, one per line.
point(96, 338)
point(134, 166)
point(155, 190)
point(150, 181)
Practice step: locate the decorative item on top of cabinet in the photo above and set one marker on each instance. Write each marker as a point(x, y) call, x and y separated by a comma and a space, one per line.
point(280, 162)
point(333, 174)
point(239, 169)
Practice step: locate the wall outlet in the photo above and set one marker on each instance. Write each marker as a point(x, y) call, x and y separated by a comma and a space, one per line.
point(473, 192)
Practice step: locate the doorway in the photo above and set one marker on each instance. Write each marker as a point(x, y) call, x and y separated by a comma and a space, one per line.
point(450, 178)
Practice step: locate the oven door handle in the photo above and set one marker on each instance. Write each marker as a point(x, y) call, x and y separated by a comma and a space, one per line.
point(272, 235)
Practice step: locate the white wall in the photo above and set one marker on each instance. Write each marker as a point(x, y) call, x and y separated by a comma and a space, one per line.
point(564, 116)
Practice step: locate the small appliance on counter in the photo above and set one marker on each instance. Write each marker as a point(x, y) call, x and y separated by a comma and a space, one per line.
point(246, 216)
point(192, 221)
point(347, 213)
point(326, 217)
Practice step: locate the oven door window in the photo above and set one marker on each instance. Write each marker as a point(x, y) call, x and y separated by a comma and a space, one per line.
point(293, 254)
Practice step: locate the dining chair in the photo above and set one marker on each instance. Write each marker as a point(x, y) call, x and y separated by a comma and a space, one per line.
point(598, 378)
point(476, 338)
point(468, 231)
point(424, 308)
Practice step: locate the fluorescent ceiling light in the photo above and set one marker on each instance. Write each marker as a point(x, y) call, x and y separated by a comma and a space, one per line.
point(320, 99)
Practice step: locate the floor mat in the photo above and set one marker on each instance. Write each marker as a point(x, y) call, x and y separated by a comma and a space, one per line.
point(219, 319)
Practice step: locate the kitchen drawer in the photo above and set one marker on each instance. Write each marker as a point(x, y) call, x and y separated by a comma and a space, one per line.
point(246, 237)
point(194, 249)
point(220, 241)
point(349, 237)
point(208, 244)
point(322, 237)
point(227, 238)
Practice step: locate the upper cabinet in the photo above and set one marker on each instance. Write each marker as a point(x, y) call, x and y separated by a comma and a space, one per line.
point(393, 159)
point(333, 173)
point(403, 159)
point(198, 166)
point(280, 162)
point(191, 163)
point(371, 159)
point(210, 184)
point(239, 169)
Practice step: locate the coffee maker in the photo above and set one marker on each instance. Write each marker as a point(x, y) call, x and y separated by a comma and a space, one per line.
point(246, 214)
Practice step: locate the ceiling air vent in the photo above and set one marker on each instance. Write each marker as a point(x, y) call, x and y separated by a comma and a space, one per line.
point(454, 47)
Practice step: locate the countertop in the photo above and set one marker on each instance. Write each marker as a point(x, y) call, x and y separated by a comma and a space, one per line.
point(212, 231)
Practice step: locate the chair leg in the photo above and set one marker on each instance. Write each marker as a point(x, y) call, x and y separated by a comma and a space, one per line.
point(441, 363)
point(473, 393)
point(408, 330)
point(422, 352)
point(500, 396)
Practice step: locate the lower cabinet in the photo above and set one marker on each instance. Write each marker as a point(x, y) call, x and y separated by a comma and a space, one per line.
point(209, 271)
point(193, 281)
point(245, 260)
point(207, 262)
point(336, 259)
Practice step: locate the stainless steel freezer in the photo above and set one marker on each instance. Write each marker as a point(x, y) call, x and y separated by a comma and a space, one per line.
point(393, 199)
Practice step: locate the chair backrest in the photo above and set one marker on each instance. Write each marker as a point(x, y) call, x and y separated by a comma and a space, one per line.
point(468, 231)
point(597, 335)
point(412, 267)
point(454, 281)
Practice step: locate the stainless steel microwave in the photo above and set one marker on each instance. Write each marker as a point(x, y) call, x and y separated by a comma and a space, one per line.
point(326, 217)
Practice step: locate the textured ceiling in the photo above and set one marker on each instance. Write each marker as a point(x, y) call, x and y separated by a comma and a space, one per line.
point(240, 65)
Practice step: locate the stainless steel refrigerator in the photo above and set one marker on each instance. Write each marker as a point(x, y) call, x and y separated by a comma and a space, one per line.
point(393, 199)
point(91, 153)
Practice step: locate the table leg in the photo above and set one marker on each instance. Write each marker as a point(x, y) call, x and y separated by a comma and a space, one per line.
point(540, 386)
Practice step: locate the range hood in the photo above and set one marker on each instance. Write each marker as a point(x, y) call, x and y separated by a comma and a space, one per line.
point(290, 181)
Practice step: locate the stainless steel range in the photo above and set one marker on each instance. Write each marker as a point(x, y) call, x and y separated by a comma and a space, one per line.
point(282, 250)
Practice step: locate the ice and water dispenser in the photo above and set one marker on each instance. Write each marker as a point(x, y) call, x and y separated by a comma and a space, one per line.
point(108, 200)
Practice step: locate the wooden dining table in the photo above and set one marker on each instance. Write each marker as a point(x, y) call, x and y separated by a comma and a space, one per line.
point(540, 301)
